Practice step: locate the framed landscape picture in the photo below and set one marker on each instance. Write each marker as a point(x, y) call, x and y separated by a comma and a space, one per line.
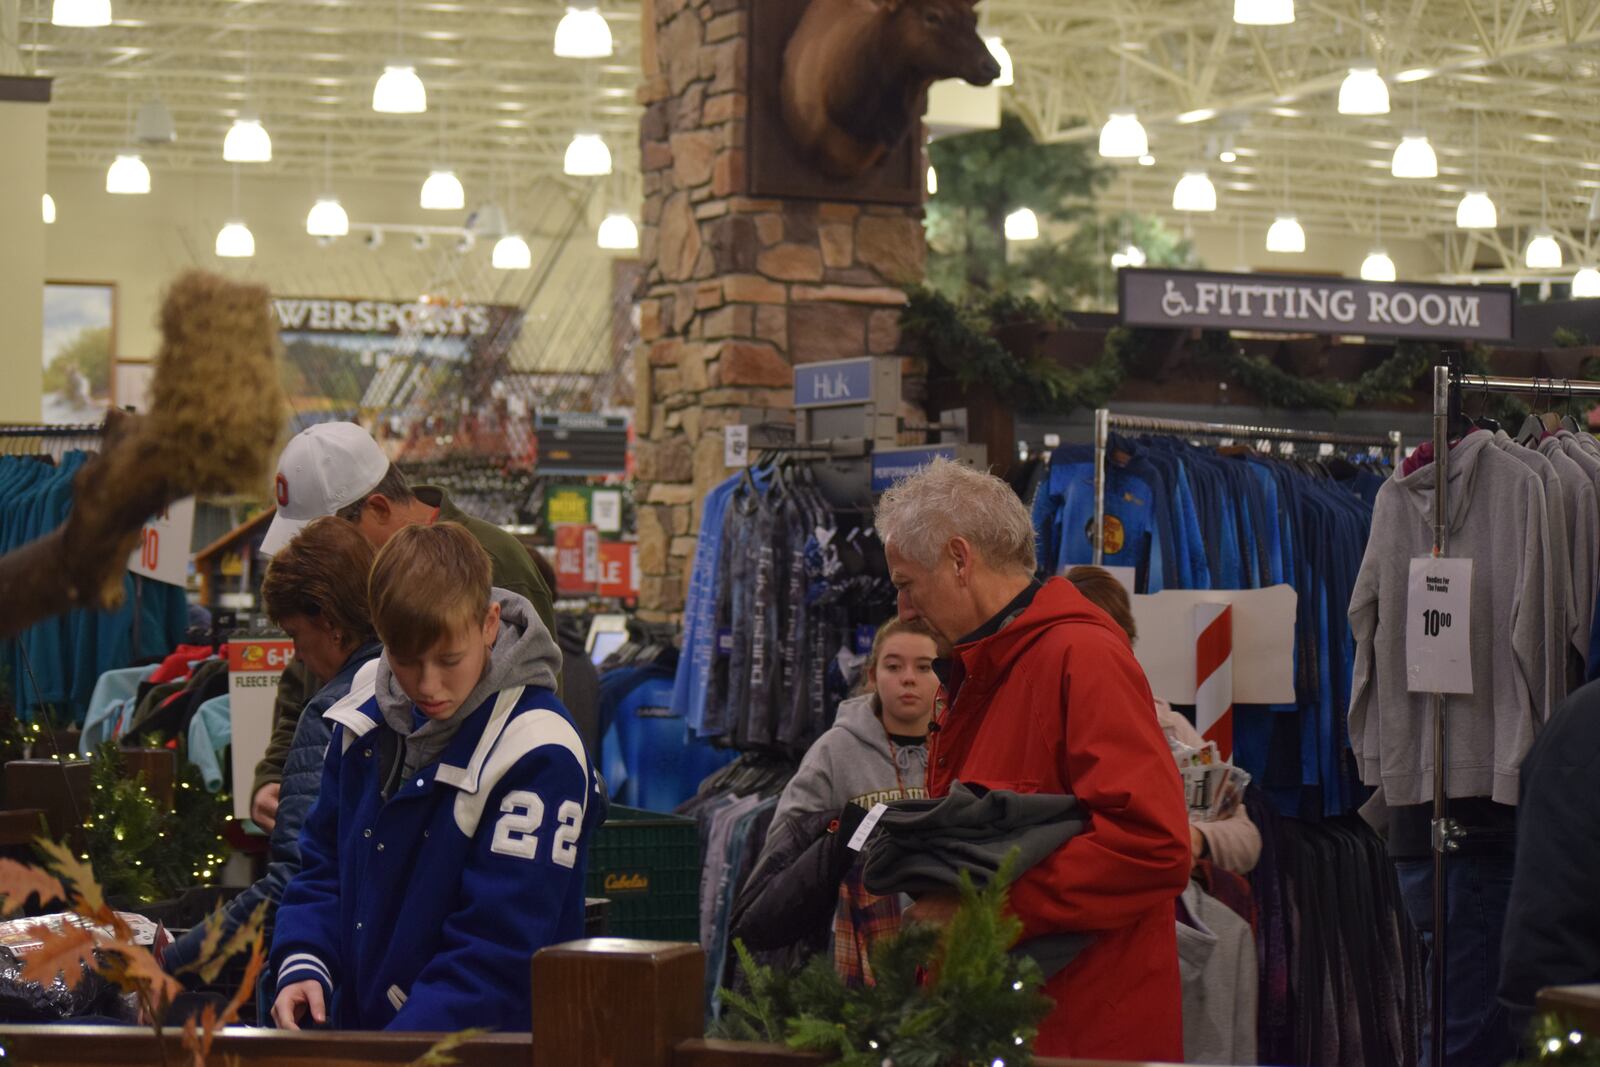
point(80, 330)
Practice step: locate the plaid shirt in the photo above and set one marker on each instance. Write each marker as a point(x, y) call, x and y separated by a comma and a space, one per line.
point(861, 920)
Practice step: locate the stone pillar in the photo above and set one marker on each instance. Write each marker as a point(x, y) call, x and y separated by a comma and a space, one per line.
point(737, 290)
point(24, 107)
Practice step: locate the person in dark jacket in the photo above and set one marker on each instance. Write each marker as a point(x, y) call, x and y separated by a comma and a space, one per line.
point(1552, 931)
point(316, 590)
point(580, 682)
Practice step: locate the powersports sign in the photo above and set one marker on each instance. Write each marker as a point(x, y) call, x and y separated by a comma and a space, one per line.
point(1275, 303)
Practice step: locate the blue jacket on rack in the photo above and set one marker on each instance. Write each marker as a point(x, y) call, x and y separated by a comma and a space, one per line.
point(422, 911)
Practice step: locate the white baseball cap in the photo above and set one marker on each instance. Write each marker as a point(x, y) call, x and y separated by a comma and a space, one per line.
point(322, 470)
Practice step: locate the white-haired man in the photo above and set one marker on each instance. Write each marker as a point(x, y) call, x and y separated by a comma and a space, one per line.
point(1044, 696)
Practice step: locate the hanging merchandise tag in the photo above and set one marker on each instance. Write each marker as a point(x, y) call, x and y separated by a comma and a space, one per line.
point(1439, 626)
point(736, 446)
point(864, 831)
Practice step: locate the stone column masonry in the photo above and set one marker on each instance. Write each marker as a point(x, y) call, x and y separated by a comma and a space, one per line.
point(736, 290)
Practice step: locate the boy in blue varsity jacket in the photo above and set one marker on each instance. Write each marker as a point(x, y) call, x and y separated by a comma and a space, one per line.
point(449, 840)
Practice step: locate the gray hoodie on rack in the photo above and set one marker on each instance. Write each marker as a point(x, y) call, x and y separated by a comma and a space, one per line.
point(1497, 518)
point(524, 653)
point(852, 762)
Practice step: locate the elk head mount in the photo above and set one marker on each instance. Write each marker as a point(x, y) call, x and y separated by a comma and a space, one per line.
point(856, 74)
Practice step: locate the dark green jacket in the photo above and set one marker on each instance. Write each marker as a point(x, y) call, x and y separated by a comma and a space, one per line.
point(513, 571)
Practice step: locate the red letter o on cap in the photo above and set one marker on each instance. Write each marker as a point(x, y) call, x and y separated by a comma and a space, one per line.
point(283, 491)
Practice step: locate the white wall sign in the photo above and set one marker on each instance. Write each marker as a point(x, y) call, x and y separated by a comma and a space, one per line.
point(165, 544)
point(1439, 626)
point(605, 510)
point(736, 446)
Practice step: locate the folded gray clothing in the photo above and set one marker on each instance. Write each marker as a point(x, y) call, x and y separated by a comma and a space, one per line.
point(922, 846)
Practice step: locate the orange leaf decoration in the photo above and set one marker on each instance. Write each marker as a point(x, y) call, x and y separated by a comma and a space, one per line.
point(89, 901)
point(62, 951)
point(134, 970)
point(19, 881)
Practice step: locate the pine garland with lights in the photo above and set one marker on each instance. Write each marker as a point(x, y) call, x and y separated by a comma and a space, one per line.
point(1555, 1040)
point(944, 997)
point(145, 853)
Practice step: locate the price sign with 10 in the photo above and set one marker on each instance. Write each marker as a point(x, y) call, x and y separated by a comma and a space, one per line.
point(1439, 626)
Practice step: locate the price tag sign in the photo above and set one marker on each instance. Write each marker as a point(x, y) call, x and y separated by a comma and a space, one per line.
point(164, 544)
point(605, 507)
point(1439, 626)
point(255, 666)
point(736, 446)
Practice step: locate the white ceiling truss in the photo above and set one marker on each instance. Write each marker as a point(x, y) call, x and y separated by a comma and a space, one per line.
point(1520, 76)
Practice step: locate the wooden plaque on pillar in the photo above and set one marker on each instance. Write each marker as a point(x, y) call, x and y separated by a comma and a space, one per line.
point(776, 166)
point(612, 1001)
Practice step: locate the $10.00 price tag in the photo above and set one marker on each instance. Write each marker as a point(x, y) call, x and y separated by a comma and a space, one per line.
point(1439, 626)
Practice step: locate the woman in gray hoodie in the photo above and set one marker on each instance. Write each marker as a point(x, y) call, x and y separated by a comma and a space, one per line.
point(875, 752)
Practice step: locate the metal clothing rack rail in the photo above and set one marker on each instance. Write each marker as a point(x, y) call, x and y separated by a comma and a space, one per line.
point(46, 429)
point(1106, 420)
point(1448, 384)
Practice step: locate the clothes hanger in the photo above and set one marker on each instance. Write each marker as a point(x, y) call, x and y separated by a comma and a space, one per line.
point(1569, 422)
point(1533, 428)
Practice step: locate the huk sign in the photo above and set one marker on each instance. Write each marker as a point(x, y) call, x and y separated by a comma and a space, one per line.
point(1285, 304)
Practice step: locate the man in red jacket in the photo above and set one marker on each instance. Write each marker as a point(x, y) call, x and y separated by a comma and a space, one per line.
point(1045, 696)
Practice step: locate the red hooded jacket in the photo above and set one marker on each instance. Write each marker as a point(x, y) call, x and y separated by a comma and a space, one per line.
point(1056, 703)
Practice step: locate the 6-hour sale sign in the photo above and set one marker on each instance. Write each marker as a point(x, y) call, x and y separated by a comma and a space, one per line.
point(255, 666)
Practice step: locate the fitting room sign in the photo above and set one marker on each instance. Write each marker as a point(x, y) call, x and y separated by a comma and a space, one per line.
point(1275, 303)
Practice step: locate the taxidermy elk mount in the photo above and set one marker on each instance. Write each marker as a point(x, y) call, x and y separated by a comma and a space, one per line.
point(856, 74)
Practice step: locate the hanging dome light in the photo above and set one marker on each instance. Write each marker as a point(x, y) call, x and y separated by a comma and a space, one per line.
point(1476, 211)
point(1377, 267)
point(583, 33)
point(1008, 73)
point(80, 13)
point(618, 233)
point(1147, 160)
point(933, 181)
point(1543, 252)
point(48, 206)
point(399, 91)
point(247, 142)
point(1263, 12)
point(1364, 92)
point(1286, 235)
point(1022, 225)
point(128, 174)
point(442, 192)
point(235, 241)
point(587, 156)
point(1414, 157)
point(1123, 137)
point(1586, 284)
point(1129, 255)
point(511, 252)
point(1194, 192)
point(327, 218)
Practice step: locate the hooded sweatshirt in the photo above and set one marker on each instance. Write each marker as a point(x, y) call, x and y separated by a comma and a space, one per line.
point(1562, 605)
point(524, 654)
point(853, 762)
point(1497, 518)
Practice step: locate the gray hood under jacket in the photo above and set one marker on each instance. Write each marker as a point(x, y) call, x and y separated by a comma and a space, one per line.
point(524, 654)
point(922, 846)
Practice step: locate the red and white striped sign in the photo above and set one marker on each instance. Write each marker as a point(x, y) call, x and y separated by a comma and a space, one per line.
point(1213, 660)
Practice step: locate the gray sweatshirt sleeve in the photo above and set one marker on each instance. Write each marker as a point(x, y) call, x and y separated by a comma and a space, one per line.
point(808, 792)
point(1531, 643)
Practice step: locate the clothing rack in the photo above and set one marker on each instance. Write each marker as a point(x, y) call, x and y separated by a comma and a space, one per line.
point(1106, 420)
point(1448, 383)
point(46, 429)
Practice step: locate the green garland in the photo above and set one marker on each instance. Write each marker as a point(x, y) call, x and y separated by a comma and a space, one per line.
point(944, 996)
point(1555, 1040)
point(144, 853)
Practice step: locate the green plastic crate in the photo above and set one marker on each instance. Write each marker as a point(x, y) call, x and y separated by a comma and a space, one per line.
point(647, 865)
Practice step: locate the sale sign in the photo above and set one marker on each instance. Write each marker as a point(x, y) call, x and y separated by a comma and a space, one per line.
point(255, 666)
point(616, 570)
point(164, 545)
point(577, 574)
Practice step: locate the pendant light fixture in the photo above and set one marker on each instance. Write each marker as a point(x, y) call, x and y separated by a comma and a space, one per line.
point(1586, 284)
point(80, 13)
point(1123, 136)
point(1147, 160)
point(933, 181)
point(1364, 92)
point(1008, 73)
point(327, 217)
point(48, 207)
point(1378, 267)
point(1543, 251)
point(234, 240)
point(443, 192)
point(1194, 192)
point(583, 33)
point(1286, 236)
point(1129, 255)
point(587, 156)
point(398, 90)
point(1476, 211)
point(128, 175)
point(1414, 157)
point(1263, 12)
point(1022, 225)
point(247, 141)
point(511, 252)
point(618, 233)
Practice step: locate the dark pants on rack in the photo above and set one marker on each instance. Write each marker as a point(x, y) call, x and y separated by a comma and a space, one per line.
point(1477, 1031)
